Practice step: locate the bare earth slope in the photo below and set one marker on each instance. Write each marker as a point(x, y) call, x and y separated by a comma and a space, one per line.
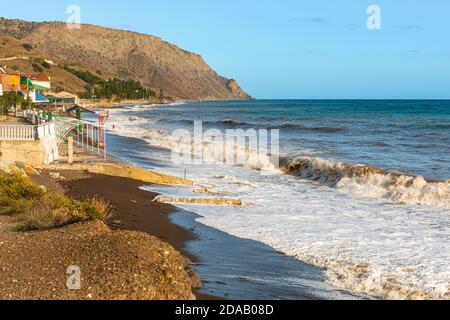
point(127, 55)
point(115, 265)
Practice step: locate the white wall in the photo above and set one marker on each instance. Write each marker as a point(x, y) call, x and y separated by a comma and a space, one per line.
point(47, 135)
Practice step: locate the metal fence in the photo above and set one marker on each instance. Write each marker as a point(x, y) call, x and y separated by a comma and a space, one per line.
point(87, 135)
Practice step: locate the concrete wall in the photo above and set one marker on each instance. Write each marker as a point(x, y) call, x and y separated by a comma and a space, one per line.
point(122, 170)
point(29, 152)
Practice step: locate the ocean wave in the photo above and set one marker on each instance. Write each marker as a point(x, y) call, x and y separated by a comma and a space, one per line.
point(229, 123)
point(387, 251)
point(210, 151)
point(370, 181)
point(326, 129)
point(226, 123)
point(376, 280)
point(300, 127)
point(237, 181)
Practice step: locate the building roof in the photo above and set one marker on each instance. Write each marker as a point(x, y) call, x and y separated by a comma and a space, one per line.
point(64, 94)
point(79, 108)
point(40, 98)
point(38, 76)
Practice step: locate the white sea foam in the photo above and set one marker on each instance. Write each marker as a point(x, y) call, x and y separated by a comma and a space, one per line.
point(366, 245)
point(371, 182)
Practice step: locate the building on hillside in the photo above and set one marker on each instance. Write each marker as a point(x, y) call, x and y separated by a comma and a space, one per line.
point(34, 86)
point(62, 98)
point(41, 81)
point(10, 82)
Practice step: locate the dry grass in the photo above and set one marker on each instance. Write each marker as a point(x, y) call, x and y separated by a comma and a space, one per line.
point(37, 208)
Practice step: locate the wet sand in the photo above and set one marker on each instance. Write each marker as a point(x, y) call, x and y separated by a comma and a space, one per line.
point(238, 269)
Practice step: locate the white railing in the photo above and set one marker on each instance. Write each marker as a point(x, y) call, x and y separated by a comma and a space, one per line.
point(26, 132)
point(18, 133)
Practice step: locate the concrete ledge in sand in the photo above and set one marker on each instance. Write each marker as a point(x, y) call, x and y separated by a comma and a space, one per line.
point(203, 201)
point(121, 170)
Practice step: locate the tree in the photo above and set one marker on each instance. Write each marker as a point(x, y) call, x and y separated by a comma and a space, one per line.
point(11, 100)
point(26, 103)
point(37, 68)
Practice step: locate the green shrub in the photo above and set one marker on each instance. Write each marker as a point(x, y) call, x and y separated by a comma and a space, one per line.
point(27, 46)
point(46, 65)
point(37, 68)
point(38, 209)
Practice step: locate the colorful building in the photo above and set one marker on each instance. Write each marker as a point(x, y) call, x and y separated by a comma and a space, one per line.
point(10, 82)
point(40, 81)
point(33, 86)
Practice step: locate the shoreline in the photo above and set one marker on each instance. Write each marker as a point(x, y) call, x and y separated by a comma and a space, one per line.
point(134, 210)
point(105, 104)
point(221, 266)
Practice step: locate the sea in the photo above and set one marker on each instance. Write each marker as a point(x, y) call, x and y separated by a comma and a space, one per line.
point(360, 188)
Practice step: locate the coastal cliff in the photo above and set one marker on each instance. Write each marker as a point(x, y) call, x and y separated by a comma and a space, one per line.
point(125, 55)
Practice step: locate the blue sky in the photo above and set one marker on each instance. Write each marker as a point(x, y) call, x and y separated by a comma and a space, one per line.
point(290, 48)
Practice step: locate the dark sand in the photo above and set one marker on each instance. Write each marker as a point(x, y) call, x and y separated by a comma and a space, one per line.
point(133, 207)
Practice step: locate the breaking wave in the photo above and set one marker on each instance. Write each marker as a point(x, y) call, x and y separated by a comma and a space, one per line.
point(391, 251)
point(211, 151)
point(370, 182)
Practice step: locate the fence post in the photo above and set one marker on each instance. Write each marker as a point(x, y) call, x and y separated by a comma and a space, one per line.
point(35, 133)
point(70, 147)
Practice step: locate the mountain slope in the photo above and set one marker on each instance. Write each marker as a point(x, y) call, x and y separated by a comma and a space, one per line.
point(126, 55)
point(15, 58)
